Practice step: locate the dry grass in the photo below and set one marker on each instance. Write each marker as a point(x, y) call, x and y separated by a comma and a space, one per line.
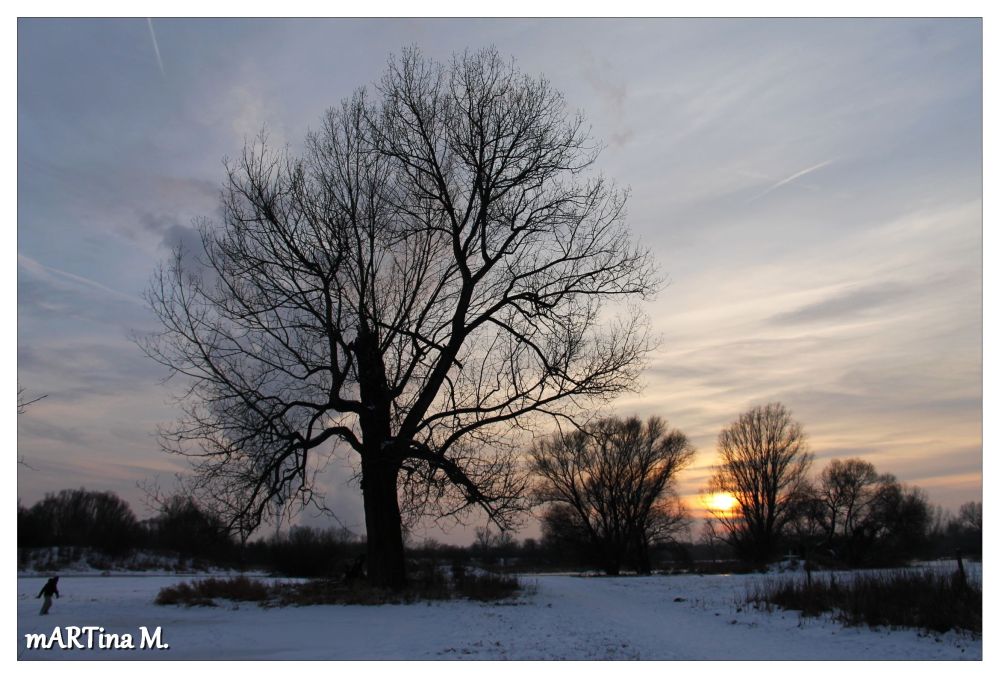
point(921, 599)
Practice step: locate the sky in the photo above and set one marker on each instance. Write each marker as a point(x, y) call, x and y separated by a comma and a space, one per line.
point(811, 191)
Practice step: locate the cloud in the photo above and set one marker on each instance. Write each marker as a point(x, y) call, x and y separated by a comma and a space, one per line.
point(156, 46)
point(187, 238)
point(172, 234)
point(81, 370)
point(848, 303)
point(36, 429)
point(65, 280)
point(789, 179)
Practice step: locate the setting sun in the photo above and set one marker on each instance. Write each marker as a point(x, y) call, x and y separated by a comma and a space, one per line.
point(721, 501)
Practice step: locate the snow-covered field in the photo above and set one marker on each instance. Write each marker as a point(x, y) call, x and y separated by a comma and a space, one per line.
point(565, 617)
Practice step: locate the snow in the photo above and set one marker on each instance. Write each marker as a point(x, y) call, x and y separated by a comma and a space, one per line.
point(686, 617)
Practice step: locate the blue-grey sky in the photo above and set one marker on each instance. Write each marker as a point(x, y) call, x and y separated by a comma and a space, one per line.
point(812, 190)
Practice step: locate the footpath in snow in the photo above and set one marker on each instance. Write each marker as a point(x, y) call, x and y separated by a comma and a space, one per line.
point(686, 617)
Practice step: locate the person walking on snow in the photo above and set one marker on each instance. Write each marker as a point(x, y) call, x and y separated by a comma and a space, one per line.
point(48, 591)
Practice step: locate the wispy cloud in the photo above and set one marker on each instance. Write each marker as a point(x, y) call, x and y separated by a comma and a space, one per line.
point(64, 277)
point(789, 179)
point(156, 46)
point(846, 303)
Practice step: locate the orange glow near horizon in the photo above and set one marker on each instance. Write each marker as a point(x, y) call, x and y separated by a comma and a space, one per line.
point(721, 501)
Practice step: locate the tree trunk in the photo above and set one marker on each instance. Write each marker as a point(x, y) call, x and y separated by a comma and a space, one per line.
point(612, 562)
point(643, 565)
point(386, 562)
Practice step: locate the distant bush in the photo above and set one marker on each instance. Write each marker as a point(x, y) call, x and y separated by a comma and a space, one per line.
point(923, 599)
point(205, 591)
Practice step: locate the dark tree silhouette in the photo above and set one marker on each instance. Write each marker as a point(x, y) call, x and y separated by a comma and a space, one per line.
point(427, 280)
point(612, 481)
point(763, 463)
point(853, 515)
point(311, 552)
point(80, 518)
point(565, 536)
point(183, 526)
point(847, 491)
point(901, 521)
point(853, 497)
point(963, 533)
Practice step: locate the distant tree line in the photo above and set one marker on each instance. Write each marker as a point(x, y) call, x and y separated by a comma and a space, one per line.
point(102, 520)
point(855, 516)
point(77, 520)
point(85, 519)
point(80, 518)
point(606, 498)
point(950, 533)
point(849, 515)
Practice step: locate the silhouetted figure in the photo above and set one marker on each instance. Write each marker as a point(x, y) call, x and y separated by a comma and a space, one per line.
point(48, 591)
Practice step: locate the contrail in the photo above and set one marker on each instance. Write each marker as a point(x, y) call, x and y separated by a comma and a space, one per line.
point(790, 179)
point(156, 46)
point(41, 270)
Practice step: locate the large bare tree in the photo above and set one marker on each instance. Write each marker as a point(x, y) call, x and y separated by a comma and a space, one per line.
point(612, 482)
point(764, 458)
point(430, 276)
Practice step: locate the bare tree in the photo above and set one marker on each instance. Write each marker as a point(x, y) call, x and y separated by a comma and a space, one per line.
point(847, 488)
point(667, 521)
point(22, 407)
point(899, 523)
point(970, 515)
point(485, 540)
point(22, 404)
point(848, 492)
point(962, 533)
point(431, 277)
point(763, 465)
point(856, 516)
point(616, 478)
